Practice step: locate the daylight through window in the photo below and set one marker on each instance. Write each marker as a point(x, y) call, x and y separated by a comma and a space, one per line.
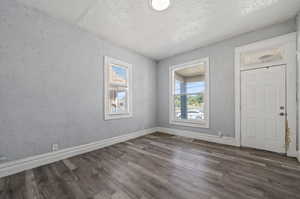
point(189, 99)
point(118, 83)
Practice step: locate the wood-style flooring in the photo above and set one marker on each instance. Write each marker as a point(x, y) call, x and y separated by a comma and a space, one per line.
point(160, 166)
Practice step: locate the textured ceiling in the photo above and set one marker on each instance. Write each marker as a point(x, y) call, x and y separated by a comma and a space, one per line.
point(186, 25)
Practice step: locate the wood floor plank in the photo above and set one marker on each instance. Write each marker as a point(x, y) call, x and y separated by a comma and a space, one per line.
point(17, 186)
point(4, 188)
point(161, 166)
point(32, 190)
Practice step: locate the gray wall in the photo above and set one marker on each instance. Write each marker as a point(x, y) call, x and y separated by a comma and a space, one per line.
point(51, 85)
point(221, 78)
point(298, 49)
point(298, 29)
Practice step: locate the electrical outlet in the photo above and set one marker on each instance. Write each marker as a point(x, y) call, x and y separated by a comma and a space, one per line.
point(55, 147)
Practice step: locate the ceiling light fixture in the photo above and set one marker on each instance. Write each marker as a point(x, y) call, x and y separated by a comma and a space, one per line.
point(160, 5)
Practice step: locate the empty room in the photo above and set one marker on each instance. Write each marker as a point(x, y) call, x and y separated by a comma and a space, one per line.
point(149, 99)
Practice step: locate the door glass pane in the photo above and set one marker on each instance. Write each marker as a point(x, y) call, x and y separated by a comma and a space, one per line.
point(118, 100)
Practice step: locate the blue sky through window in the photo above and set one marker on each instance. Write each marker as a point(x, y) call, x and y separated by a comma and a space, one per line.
point(191, 87)
point(195, 87)
point(121, 95)
point(120, 71)
point(177, 87)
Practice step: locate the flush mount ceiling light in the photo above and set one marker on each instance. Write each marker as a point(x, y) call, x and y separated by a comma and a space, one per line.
point(160, 5)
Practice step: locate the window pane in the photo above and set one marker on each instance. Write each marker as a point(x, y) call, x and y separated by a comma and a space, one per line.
point(189, 107)
point(261, 56)
point(189, 93)
point(177, 104)
point(118, 100)
point(189, 87)
point(178, 87)
point(118, 75)
point(195, 87)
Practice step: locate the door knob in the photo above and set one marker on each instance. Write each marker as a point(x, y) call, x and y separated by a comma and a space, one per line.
point(281, 114)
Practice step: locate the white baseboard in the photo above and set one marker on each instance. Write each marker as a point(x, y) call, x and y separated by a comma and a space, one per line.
point(201, 136)
point(292, 153)
point(213, 138)
point(17, 166)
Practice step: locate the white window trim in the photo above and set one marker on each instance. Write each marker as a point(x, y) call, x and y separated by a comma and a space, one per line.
point(191, 123)
point(108, 61)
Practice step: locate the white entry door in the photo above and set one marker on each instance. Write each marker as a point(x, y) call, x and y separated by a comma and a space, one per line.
point(263, 108)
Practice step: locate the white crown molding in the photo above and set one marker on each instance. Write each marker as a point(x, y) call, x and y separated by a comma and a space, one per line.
point(17, 166)
point(200, 136)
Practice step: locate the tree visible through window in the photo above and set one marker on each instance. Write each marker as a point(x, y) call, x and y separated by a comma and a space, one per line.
point(189, 94)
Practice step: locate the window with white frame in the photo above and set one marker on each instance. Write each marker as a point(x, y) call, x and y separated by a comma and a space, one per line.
point(189, 94)
point(118, 89)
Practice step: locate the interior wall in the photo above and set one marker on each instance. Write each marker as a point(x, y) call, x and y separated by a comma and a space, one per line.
point(51, 85)
point(298, 57)
point(221, 56)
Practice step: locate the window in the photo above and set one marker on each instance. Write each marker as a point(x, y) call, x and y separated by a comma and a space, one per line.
point(118, 90)
point(189, 94)
point(256, 57)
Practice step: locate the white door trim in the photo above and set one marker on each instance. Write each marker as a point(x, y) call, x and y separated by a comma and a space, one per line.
point(288, 43)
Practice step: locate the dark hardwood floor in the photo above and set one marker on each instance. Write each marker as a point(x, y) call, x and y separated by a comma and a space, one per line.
point(161, 166)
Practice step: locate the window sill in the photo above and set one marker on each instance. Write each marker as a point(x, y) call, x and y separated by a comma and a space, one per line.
point(117, 116)
point(202, 124)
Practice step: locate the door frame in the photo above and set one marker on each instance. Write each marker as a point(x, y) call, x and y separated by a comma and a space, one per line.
point(288, 44)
